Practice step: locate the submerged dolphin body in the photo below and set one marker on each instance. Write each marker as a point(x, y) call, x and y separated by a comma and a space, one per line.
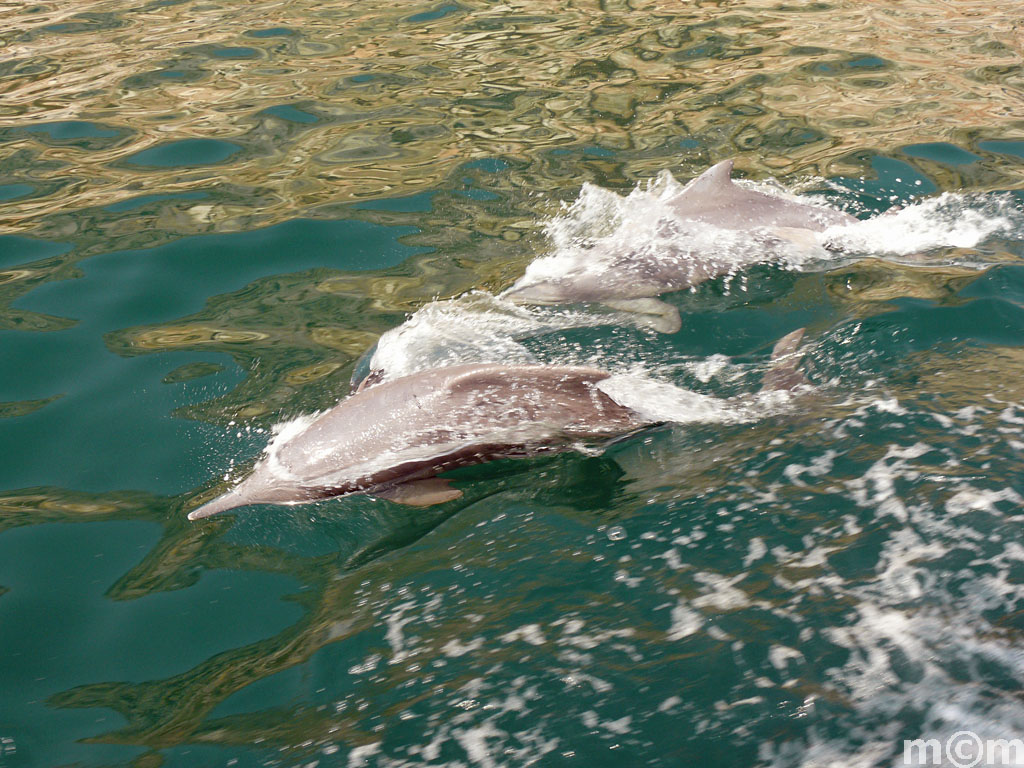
point(392, 439)
point(632, 278)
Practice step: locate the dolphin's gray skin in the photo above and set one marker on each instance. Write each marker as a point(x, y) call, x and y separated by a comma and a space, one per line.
point(392, 439)
point(713, 198)
point(631, 280)
point(389, 439)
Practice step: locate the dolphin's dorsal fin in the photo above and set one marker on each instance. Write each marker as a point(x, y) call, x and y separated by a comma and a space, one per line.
point(420, 493)
point(785, 359)
point(715, 180)
point(788, 344)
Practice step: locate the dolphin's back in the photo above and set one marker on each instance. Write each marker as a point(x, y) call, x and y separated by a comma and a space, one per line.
point(714, 198)
point(466, 403)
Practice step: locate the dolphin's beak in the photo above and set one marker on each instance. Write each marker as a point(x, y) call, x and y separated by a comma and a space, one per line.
point(252, 490)
point(222, 503)
point(537, 293)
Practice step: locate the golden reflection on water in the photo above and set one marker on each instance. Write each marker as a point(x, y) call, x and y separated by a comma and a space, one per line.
point(391, 102)
point(11, 410)
point(330, 104)
point(871, 281)
point(337, 103)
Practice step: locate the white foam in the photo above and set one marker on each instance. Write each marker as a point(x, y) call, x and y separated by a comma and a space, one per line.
point(473, 328)
point(531, 633)
point(779, 656)
point(474, 741)
point(455, 647)
point(685, 622)
point(950, 220)
point(360, 756)
point(670, 703)
point(396, 621)
point(709, 368)
point(757, 551)
point(720, 593)
point(913, 643)
point(818, 467)
point(659, 401)
point(970, 499)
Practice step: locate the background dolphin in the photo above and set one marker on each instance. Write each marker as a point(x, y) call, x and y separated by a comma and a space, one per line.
point(631, 278)
point(714, 198)
point(391, 440)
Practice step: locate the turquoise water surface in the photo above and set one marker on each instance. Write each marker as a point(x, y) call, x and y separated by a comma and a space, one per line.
point(210, 211)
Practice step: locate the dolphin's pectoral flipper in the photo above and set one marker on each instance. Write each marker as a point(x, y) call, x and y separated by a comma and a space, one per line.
point(785, 359)
point(420, 493)
point(654, 313)
point(805, 238)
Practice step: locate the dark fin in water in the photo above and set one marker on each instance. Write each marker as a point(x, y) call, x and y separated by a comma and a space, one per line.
point(785, 359)
point(361, 371)
point(375, 376)
point(420, 493)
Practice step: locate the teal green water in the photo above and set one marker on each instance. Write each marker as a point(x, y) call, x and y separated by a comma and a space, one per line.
point(200, 239)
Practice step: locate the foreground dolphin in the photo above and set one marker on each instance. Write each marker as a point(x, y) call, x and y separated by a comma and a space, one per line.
point(631, 279)
point(391, 440)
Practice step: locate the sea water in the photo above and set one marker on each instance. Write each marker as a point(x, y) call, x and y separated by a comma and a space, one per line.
point(210, 211)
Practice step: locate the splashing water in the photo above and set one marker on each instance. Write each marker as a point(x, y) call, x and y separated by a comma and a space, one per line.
point(473, 328)
point(604, 236)
point(950, 220)
point(590, 234)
